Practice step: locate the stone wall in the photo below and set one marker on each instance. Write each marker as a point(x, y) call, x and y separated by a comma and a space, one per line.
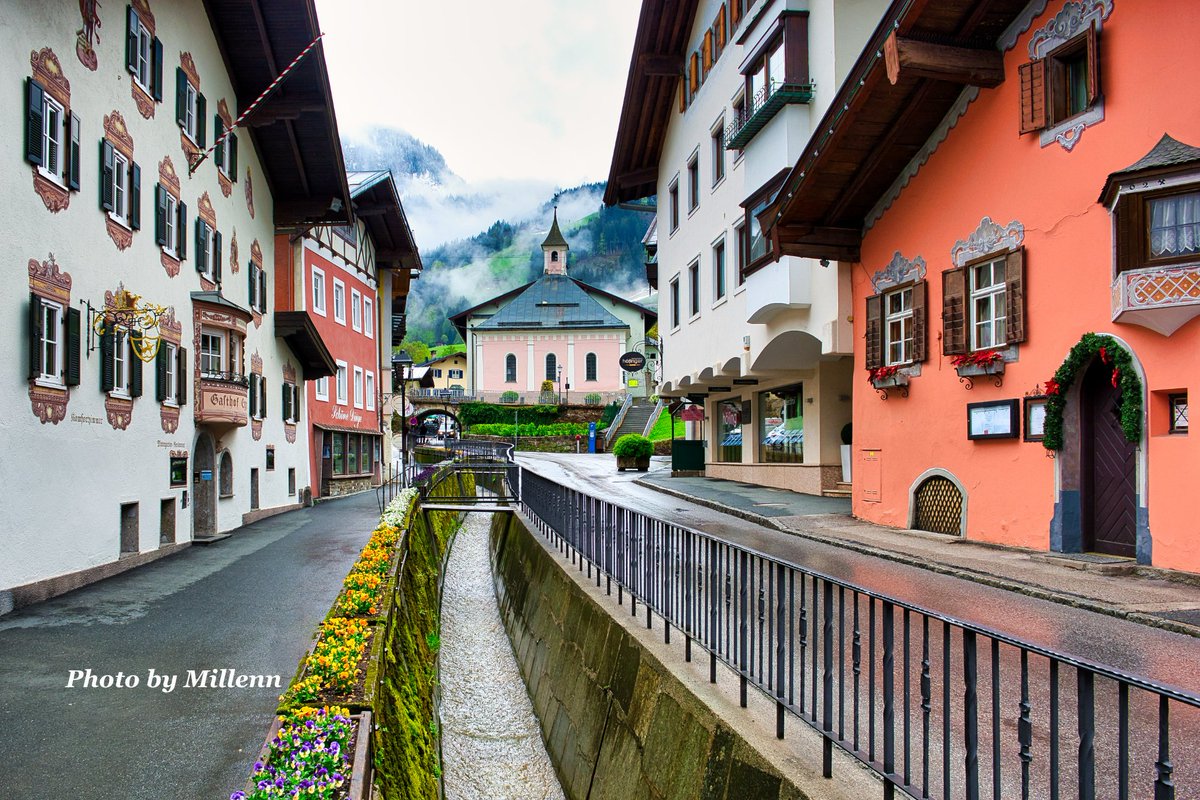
point(617, 723)
point(340, 487)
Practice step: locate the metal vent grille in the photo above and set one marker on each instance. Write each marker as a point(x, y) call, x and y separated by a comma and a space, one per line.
point(939, 507)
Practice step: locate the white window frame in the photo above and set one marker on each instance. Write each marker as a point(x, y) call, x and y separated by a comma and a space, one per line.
point(321, 389)
point(902, 316)
point(358, 387)
point(369, 389)
point(171, 225)
point(54, 376)
point(219, 336)
point(54, 139)
point(720, 167)
point(455, 373)
point(172, 398)
point(318, 292)
point(720, 271)
point(208, 256)
point(693, 182)
point(991, 294)
point(121, 201)
point(694, 297)
point(191, 116)
point(225, 162)
point(144, 74)
point(339, 316)
point(356, 310)
point(122, 358)
point(343, 388)
point(676, 304)
point(368, 317)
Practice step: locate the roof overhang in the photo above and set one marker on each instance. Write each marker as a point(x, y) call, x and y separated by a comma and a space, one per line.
point(297, 329)
point(909, 77)
point(294, 130)
point(377, 203)
point(659, 48)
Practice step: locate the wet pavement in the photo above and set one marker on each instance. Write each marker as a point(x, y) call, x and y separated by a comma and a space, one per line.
point(491, 741)
point(249, 603)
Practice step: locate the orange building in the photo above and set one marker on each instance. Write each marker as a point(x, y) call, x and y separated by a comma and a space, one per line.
point(1013, 190)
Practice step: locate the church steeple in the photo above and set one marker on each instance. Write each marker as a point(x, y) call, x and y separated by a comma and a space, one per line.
point(554, 249)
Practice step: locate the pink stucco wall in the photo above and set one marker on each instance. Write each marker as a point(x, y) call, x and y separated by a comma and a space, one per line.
point(607, 347)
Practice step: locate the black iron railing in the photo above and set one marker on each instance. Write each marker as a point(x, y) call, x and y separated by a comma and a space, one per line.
point(760, 108)
point(935, 706)
point(235, 378)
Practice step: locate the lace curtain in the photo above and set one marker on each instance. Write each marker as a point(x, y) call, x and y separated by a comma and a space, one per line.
point(1175, 225)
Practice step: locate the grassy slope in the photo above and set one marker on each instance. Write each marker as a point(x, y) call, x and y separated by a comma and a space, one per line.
point(662, 428)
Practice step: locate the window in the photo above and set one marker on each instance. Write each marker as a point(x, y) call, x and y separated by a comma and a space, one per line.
point(739, 118)
point(718, 260)
point(456, 373)
point(510, 368)
point(339, 453)
point(291, 481)
point(55, 340)
point(258, 396)
point(121, 365)
point(1178, 404)
point(693, 176)
point(590, 367)
point(781, 426)
point(321, 389)
point(776, 74)
point(143, 55)
point(729, 420)
point(170, 222)
point(190, 108)
point(318, 291)
point(717, 144)
point(673, 204)
point(339, 301)
point(694, 288)
point(226, 154)
point(437, 372)
point(208, 251)
point(51, 368)
point(270, 458)
point(355, 309)
point(169, 366)
point(898, 326)
point(53, 133)
point(226, 474)
point(51, 137)
point(257, 291)
point(369, 377)
point(120, 186)
point(739, 238)
point(675, 302)
point(1064, 84)
point(987, 293)
point(758, 247)
point(343, 391)
point(291, 402)
point(551, 366)
point(1158, 229)
point(220, 355)
point(368, 318)
point(358, 387)
point(211, 345)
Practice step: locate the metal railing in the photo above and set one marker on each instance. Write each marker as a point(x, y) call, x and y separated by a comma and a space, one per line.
point(235, 378)
point(397, 477)
point(936, 707)
point(613, 426)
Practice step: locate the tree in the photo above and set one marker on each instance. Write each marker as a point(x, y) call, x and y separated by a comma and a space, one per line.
point(415, 348)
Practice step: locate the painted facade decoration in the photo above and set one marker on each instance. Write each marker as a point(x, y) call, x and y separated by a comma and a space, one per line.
point(48, 73)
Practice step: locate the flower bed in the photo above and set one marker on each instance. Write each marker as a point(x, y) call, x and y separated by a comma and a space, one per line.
point(334, 668)
point(309, 753)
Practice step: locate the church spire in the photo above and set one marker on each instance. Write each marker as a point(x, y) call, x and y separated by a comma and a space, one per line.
point(554, 249)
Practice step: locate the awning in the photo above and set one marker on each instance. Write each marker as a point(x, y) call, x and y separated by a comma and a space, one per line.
point(347, 429)
point(297, 329)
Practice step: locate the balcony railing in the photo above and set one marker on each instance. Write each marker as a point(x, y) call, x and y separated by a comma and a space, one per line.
point(235, 378)
point(761, 108)
point(1163, 299)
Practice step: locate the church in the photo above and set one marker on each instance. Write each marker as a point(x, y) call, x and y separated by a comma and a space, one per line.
point(556, 329)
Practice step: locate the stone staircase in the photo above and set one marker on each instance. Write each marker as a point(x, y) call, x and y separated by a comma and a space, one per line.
point(842, 489)
point(635, 418)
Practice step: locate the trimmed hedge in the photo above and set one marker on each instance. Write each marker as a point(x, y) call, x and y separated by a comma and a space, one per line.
point(554, 429)
point(633, 445)
point(470, 414)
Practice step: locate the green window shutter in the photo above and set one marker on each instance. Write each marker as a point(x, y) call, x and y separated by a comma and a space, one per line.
point(181, 231)
point(160, 214)
point(35, 336)
point(201, 122)
point(157, 71)
point(217, 131)
point(73, 160)
point(181, 83)
point(34, 121)
point(181, 372)
point(135, 196)
point(107, 379)
point(296, 402)
point(135, 370)
point(874, 346)
point(131, 39)
point(252, 287)
point(232, 144)
point(262, 290)
point(253, 394)
point(74, 345)
point(160, 373)
point(201, 231)
point(286, 404)
point(216, 256)
point(262, 397)
point(106, 176)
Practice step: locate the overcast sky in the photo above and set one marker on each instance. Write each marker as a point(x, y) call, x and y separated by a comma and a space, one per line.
point(518, 89)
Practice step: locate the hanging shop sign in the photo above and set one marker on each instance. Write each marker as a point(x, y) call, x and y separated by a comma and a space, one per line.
point(633, 362)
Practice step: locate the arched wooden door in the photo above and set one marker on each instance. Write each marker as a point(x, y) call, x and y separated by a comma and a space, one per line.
point(1108, 467)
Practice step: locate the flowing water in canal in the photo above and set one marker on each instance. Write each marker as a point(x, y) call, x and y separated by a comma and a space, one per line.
point(491, 742)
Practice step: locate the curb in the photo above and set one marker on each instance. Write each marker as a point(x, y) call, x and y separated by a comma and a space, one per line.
point(965, 573)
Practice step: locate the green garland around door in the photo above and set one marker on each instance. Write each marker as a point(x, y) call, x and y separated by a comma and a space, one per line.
point(1110, 352)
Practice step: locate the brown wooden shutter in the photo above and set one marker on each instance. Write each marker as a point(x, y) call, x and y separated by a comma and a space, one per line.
point(181, 371)
point(683, 94)
point(694, 74)
point(1014, 278)
point(1093, 63)
point(707, 50)
point(1129, 231)
point(74, 345)
point(1033, 96)
point(954, 316)
point(735, 7)
point(35, 336)
point(920, 321)
point(722, 33)
point(874, 347)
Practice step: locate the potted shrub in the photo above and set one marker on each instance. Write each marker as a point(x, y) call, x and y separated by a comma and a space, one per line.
point(508, 397)
point(592, 399)
point(847, 438)
point(547, 395)
point(633, 452)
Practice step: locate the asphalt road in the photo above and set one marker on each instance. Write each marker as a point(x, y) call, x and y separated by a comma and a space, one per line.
point(1136, 649)
point(249, 603)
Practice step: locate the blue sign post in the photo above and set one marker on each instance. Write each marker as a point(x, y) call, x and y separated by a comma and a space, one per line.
point(591, 437)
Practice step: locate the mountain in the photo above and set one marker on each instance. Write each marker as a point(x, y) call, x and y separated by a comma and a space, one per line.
point(478, 240)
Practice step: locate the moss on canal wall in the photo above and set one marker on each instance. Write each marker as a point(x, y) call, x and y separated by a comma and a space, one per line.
point(617, 723)
point(406, 748)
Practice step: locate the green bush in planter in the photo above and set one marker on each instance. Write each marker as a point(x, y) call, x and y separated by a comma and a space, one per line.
point(633, 445)
point(508, 397)
point(592, 399)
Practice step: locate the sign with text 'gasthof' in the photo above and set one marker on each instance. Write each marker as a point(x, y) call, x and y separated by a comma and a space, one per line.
point(632, 362)
point(222, 402)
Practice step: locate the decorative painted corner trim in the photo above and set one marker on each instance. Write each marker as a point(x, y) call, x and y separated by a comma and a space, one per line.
point(249, 194)
point(117, 133)
point(169, 417)
point(188, 64)
point(988, 238)
point(233, 253)
point(289, 432)
point(55, 197)
point(48, 71)
point(899, 270)
point(1074, 18)
point(204, 208)
point(144, 102)
point(122, 237)
point(119, 411)
point(256, 429)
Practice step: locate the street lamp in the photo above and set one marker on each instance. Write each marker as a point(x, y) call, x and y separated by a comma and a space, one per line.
point(401, 368)
point(560, 384)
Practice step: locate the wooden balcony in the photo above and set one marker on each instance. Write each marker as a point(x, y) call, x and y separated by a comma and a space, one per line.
point(1163, 299)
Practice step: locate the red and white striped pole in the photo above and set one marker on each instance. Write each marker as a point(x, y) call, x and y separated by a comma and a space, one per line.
point(258, 100)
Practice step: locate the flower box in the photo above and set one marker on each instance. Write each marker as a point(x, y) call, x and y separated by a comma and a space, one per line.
point(974, 370)
point(639, 463)
point(357, 761)
point(892, 381)
point(357, 697)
